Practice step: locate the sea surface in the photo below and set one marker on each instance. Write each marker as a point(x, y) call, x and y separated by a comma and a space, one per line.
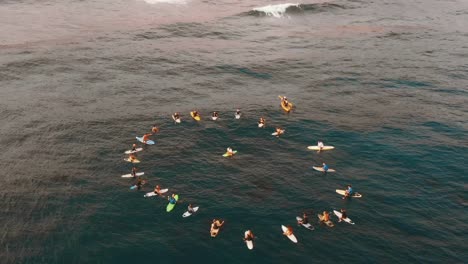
point(385, 82)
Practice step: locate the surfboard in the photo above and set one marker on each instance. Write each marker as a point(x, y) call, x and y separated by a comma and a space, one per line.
point(132, 161)
point(317, 148)
point(355, 194)
point(187, 214)
point(148, 142)
point(133, 151)
point(227, 154)
point(151, 194)
point(292, 237)
point(197, 118)
point(321, 169)
point(177, 120)
point(214, 118)
point(328, 223)
point(249, 243)
point(260, 125)
point(288, 107)
point(347, 220)
point(170, 206)
point(237, 116)
point(131, 176)
point(308, 225)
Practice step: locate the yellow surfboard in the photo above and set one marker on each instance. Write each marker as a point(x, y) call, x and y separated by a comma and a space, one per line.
point(195, 117)
point(286, 108)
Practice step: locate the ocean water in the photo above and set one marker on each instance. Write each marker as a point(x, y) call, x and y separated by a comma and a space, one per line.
point(385, 82)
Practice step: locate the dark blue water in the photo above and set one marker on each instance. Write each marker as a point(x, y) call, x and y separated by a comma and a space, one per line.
point(385, 83)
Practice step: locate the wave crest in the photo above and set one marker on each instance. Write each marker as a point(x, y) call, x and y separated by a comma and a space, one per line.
point(281, 10)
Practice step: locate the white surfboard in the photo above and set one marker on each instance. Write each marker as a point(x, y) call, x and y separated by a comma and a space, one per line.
point(249, 243)
point(237, 116)
point(347, 220)
point(276, 133)
point(214, 118)
point(317, 148)
point(292, 237)
point(342, 192)
point(260, 125)
point(187, 214)
point(150, 194)
point(148, 142)
point(177, 120)
point(131, 176)
point(308, 225)
point(133, 151)
point(317, 168)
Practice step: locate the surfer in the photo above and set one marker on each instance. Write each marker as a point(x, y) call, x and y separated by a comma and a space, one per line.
point(195, 113)
point(279, 131)
point(261, 121)
point(215, 115)
point(320, 146)
point(305, 219)
point(134, 146)
point(139, 183)
point(343, 215)
point(324, 167)
point(325, 216)
point(349, 191)
point(134, 170)
point(172, 199)
point(229, 151)
point(285, 101)
point(238, 112)
point(249, 236)
point(157, 189)
point(190, 209)
point(289, 231)
point(131, 157)
point(216, 224)
point(155, 129)
point(176, 115)
point(146, 137)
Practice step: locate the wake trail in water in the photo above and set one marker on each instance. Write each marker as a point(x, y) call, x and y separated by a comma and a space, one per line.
point(281, 10)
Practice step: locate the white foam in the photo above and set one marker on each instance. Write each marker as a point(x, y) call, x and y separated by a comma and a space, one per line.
point(275, 10)
point(165, 1)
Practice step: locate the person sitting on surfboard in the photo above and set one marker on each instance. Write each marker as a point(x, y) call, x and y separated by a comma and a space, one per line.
point(216, 224)
point(305, 219)
point(134, 170)
point(190, 209)
point(238, 112)
point(325, 216)
point(215, 114)
point(139, 183)
point(146, 137)
point(229, 151)
point(285, 101)
point(324, 167)
point(249, 236)
point(134, 146)
point(320, 146)
point(289, 231)
point(176, 115)
point(261, 121)
point(155, 129)
point(131, 157)
point(195, 113)
point(157, 189)
point(343, 215)
point(172, 199)
point(349, 191)
point(279, 131)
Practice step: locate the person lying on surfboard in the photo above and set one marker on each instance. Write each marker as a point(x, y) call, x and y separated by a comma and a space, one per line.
point(349, 191)
point(289, 231)
point(343, 215)
point(320, 146)
point(324, 167)
point(146, 137)
point(305, 219)
point(216, 224)
point(249, 236)
point(155, 129)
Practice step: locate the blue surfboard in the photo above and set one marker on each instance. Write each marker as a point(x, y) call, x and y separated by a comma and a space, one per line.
point(148, 142)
